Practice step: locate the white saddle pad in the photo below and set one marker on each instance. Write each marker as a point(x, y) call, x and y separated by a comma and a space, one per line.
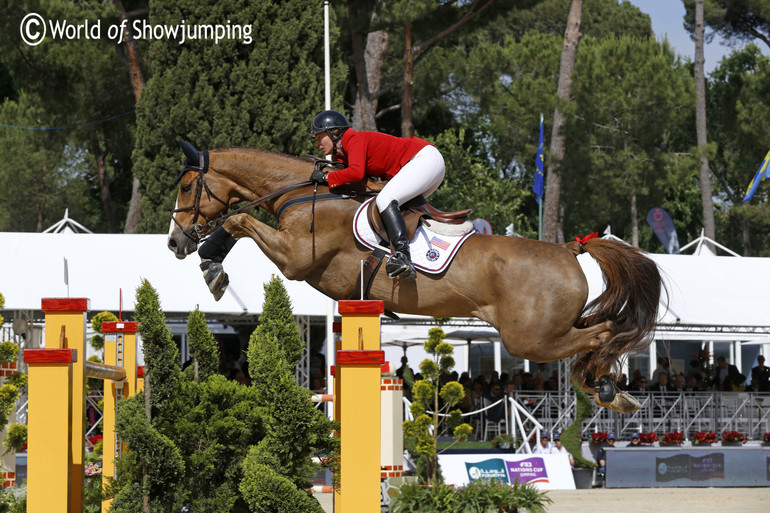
point(431, 252)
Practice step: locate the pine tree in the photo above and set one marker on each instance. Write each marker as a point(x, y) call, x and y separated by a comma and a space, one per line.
point(278, 468)
point(203, 347)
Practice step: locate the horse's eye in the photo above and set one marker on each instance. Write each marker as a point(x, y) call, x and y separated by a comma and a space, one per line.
point(187, 188)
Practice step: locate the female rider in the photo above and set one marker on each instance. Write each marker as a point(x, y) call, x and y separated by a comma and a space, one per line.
point(411, 166)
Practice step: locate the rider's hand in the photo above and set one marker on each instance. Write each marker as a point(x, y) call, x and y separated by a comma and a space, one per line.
point(318, 176)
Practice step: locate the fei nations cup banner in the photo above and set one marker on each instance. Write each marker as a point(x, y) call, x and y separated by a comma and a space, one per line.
point(545, 471)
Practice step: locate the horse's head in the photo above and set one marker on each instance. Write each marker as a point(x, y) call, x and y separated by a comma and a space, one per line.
point(203, 196)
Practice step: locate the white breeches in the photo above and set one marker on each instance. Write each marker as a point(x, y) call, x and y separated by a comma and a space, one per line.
point(421, 175)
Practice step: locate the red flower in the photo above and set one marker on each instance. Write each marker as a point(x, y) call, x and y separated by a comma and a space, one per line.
point(648, 438)
point(733, 437)
point(675, 438)
point(699, 438)
point(598, 437)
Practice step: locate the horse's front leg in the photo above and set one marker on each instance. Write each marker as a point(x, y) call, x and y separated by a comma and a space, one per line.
point(282, 247)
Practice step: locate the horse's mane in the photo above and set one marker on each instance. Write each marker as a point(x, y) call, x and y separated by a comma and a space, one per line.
point(254, 149)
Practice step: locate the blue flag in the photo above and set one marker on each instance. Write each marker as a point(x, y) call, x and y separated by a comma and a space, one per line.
point(764, 172)
point(538, 187)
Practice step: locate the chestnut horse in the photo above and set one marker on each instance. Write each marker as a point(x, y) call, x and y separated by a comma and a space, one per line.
point(534, 293)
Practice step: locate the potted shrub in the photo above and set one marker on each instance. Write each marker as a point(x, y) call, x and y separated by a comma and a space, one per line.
point(506, 442)
point(766, 439)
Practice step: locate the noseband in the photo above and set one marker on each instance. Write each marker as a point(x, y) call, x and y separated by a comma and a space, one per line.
point(198, 231)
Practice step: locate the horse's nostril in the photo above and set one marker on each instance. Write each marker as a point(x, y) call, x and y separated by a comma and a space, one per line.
point(171, 243)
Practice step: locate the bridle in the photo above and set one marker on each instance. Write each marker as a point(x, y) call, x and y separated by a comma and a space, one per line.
point(200, 230)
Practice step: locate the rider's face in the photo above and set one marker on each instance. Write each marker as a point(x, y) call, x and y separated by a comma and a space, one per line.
point(324, 142)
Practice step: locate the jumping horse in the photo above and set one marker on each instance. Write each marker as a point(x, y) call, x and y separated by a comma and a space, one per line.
point(534, 293)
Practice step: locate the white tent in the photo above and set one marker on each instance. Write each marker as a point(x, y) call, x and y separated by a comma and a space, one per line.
point(99, 266)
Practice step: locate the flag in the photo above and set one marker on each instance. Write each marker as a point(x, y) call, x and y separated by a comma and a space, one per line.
point(664, 229)
point(440, 243)
point(538, 187)
point(764, 172)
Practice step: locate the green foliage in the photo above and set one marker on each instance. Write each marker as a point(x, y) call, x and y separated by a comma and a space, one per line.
point(203, 346)
point(98, 319)
point(570, 437)
point(477, 497)
point(17, 379)
point(92, 483)
point(231, 94)
point(9, 394)
point(432, 408)
point(97, 342)
point(277, 328)
point(9, 351)
point(94, 383)
point(161, 356)
point(13, 500)
point(15, 438)
point(2, 305)
point(294, 429)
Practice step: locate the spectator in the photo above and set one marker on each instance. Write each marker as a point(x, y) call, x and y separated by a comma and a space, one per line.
point(602, 455)
point(662, 385)
point(640, 385)
point(404, 366)
point(692, 385)
point(635, 441)
point(496, 413)
point(544, 447)
point(664, 365)
point(558, 448)
point(726, 375)
point(760, 376)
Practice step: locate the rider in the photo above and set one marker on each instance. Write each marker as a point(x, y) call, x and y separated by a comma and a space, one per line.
point(412, 166)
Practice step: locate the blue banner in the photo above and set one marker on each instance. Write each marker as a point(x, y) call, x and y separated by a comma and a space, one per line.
point(758, 177)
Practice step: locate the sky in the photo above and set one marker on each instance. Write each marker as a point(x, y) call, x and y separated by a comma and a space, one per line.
point(667, 18)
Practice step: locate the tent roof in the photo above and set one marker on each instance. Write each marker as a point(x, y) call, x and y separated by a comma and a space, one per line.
point(101, 265)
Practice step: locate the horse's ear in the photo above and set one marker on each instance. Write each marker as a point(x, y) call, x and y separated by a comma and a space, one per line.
point(193, 156)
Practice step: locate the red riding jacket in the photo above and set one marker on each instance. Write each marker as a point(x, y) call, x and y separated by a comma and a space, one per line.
point(373, 154)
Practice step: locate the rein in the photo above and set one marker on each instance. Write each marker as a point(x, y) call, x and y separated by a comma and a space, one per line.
point(199, 231)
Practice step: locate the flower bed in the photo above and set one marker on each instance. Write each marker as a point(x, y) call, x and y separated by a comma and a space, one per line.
point(733, 437)
point(648, 438)
point(766, 438)
point(598, 437)
point(674, 438)
point(699, 438)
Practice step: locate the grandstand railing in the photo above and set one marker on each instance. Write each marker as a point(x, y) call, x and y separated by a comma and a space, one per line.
point(746, 412)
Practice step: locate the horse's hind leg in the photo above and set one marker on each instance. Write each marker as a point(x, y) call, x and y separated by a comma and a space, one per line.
point(576, 340)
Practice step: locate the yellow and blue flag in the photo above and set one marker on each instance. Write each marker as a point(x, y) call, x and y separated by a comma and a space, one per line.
point(764, 172)
point(538, 187)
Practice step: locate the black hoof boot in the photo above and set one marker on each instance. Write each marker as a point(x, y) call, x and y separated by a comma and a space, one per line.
point(605, 389)
point(216, 278)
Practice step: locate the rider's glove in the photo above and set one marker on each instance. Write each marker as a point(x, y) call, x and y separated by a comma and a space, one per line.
point(318, 176)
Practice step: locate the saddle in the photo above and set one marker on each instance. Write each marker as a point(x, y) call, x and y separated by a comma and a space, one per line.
point(414, 211)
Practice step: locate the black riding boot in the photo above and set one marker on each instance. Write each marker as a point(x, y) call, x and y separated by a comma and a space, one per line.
point(213, 252)
point(400, 264)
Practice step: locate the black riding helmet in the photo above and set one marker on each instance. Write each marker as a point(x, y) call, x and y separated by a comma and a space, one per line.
point(331, 122)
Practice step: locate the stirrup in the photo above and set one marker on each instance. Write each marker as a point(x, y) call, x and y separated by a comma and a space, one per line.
point(400, 266)
point(216, 279)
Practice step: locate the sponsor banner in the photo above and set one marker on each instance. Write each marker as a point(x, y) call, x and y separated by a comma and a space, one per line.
point(547, 471)
point(681, 467)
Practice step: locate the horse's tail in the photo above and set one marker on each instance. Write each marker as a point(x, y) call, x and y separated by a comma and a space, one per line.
point(630, 300)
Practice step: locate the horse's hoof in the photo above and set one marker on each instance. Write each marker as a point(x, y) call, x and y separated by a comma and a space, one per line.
point(605, 389)
point(216, 279)
point(622, 403)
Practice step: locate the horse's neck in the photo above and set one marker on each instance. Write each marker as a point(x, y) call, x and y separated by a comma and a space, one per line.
point(256, 173)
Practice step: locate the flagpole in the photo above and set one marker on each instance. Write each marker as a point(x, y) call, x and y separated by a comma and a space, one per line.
point(540, 220)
